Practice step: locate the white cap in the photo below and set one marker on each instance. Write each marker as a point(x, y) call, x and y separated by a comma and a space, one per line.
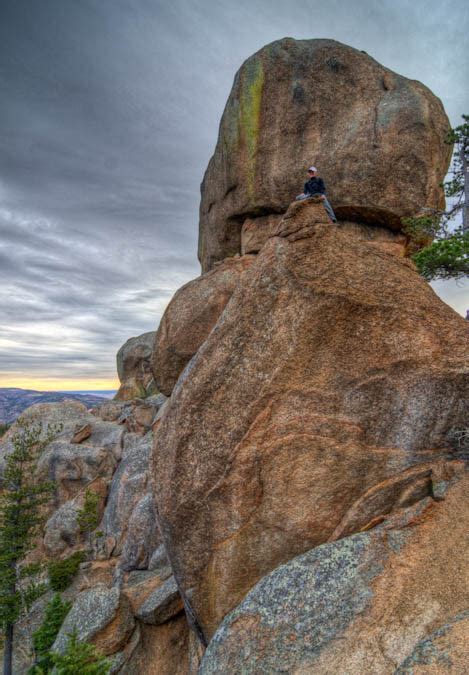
point(312, 168)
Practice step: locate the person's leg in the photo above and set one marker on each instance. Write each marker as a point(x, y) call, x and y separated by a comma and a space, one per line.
point(329, 210)
point(301, 196)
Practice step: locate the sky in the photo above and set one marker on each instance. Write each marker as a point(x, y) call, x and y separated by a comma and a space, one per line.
point(109, 114)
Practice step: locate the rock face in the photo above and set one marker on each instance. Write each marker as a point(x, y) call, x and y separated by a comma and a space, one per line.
point(106, 452)
point(133, 368)
point(129, 523)
point(189, 318)
point(371, 603)
point(376, 137)
point(320, 402)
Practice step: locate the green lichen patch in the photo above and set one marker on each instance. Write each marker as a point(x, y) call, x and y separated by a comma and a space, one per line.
point(249, 118)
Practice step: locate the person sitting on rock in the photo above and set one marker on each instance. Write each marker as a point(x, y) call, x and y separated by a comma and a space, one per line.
point(315, 187)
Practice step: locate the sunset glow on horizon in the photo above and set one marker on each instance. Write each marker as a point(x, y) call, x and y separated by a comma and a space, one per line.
point(58, 384)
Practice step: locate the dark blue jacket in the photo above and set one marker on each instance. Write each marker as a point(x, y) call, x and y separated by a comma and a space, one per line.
point(315, 186)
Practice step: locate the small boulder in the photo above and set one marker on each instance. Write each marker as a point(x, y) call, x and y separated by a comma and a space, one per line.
point(162, 604)
point(100, 615)
point(134, 369)
point(81, 433)
point(62, 530)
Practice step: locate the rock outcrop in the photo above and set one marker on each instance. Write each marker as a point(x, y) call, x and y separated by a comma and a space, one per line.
point(294, 501)
point(328, 387)
point(376, 137)
point(134, 368)
point(189, 318)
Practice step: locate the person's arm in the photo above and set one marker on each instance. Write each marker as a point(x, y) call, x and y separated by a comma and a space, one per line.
point(322, 186)
point(306, 188)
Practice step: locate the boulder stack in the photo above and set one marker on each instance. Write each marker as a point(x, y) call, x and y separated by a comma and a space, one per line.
point(377, 138)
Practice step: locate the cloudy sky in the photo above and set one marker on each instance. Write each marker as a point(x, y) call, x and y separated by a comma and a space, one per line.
point(109, 113)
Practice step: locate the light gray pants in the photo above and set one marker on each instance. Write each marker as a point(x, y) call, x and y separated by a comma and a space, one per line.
point(326, 203)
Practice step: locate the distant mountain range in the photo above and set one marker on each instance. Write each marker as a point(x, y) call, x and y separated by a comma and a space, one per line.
point(14, 401)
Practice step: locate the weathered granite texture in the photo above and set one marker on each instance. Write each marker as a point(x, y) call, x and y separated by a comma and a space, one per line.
point(99, 615)
point(189, 318)
point(390, 601)
point(129, 522)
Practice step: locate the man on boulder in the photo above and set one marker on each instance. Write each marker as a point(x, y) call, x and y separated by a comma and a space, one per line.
point(314, 187)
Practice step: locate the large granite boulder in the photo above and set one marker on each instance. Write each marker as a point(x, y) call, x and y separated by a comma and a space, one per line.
point(392, 601)
point(189, 318)
point(134, 369)
point(320, 401)
point(376, 137)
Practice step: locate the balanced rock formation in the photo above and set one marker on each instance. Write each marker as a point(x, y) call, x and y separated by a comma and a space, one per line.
point(134, 369)
point(376, 137)
point(189, 318)
point(319, 403)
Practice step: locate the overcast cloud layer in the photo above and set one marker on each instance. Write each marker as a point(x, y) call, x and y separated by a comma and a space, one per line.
point(109, 114)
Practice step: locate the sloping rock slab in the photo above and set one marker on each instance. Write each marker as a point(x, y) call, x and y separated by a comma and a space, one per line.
point(390, 601)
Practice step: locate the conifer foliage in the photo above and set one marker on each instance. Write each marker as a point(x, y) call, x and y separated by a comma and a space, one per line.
point(80, 658)
point(88, 517)
point(44, 637)
point(21, 515)
point(447, 257)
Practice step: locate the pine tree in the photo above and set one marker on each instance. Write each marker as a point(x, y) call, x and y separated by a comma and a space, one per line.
point(88, 516)
point(44, 637)
point(448, 256)
point(21, 517)
point(80, 658)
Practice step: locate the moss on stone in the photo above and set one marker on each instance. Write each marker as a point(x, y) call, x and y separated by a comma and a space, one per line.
point(252, 85)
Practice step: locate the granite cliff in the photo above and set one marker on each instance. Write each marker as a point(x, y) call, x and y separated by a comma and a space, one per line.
point(294, 500)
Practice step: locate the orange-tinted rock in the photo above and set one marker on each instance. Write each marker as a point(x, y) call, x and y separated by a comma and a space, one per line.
point(377, 138)
point(392, 601)
point(189, 318)
point(335, 368)
point(256, 231)
point(301, 218)
point(163, 649)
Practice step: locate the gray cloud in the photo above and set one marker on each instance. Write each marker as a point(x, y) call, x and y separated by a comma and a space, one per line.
point(110, 112)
